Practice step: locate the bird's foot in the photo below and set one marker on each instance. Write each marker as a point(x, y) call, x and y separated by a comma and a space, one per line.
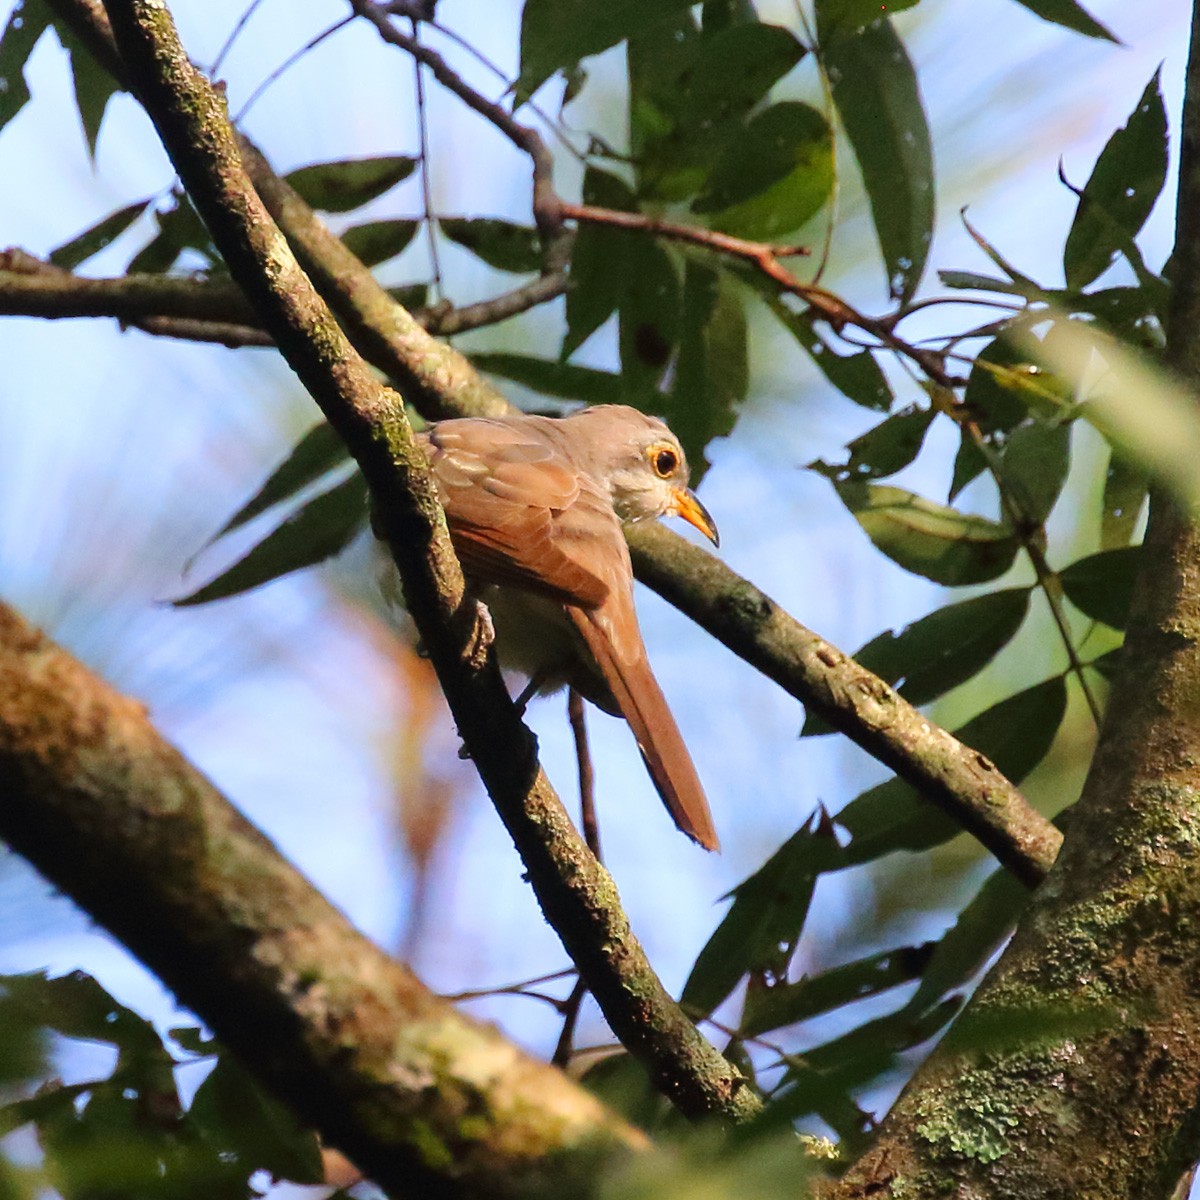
point(480, 637)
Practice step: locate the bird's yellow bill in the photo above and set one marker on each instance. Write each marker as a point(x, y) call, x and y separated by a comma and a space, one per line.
point(687, 505)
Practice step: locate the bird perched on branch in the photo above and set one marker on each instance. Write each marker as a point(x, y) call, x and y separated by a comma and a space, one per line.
point(535, 507)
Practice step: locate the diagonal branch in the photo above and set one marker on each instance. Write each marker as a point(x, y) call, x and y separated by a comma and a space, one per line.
point(576, 893)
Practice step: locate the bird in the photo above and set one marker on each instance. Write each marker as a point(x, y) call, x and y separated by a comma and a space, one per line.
point(535, 507)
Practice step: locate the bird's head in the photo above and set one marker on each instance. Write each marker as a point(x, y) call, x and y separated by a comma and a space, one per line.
point(644, 465)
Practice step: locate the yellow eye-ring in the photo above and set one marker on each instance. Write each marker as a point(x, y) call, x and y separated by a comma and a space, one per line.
point(664, 460)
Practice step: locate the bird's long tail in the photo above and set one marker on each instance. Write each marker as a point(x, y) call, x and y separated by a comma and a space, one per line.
point(644, 706)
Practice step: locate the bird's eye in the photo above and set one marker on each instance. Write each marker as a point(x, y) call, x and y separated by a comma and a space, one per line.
point(665, 462)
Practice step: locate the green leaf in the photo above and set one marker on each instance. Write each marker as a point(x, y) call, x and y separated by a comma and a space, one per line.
point(940, 543)
point(91, 241)
point(321, 528)
point(28, 21)
point(179, 229)
point(968, 944)
point(648, 328)
point(942, 650)
point(689, 93)
point(318, 452)
point(374, 242)
point(1101, 585)
point(769, 1008)
point(235, 1114)
point(891, 445)
point(554, 378)
point(410, 296)
point(766, 917)
point(94, 86)
point(1125, 491)
point(558, 33)
point(972, 281)
point(857, 376)
point(1069, 15)
point(1016, 734)
point(712, 371)
point(969, 463)
point(622, 1084)
point(996, 395)
point(1034, 467)
point(876, 94)
point(774, 176)
point(349, 183)
point(501, 244)
point(600, 261)
point(849, 16)
point(1124, 185)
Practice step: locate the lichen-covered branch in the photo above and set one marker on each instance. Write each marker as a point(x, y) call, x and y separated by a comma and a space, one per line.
point(576, 893)
point(1075, 1070)
point(420, 1096)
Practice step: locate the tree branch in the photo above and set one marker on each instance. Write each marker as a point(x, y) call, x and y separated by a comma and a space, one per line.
point(576, 893)
point(1075, 1070)
point(117, 818)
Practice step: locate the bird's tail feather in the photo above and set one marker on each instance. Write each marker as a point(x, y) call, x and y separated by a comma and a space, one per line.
point(645, 708)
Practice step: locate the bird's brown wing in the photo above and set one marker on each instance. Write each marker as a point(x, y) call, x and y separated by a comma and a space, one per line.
point(611, 634)
point(519, 513)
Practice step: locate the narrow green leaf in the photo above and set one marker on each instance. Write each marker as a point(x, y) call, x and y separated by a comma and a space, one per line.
point(501, 244)
point(179, 229)
point(349, 183)
point(600, 261)
point(940, 543)
point(877, 97)
point(558, 33)
point(26, 24)
point(857, 376)
point(712, 371)
point(942, 650)
point(969, 463)
point(769, 1008)
point(554, 378)
point(374, 242)
point(1017, 733)
point(321, 528)
point(972, 281)
point(232, 1111)
point(410, 296)
point(91, 241)
point(318, 452)
point(1069, 15)
point(649, 312)
point(773, 177)
point(94, 86)
point(1124, 185)
point(849, 16)
point(995, 396)
point(1034, 467)
point(1125, 491)
point(891, 445)
point(1101, 585)
point(768, 912)
point(973, 938)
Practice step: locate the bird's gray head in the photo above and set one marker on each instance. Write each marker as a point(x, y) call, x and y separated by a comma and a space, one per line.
point(643, 464)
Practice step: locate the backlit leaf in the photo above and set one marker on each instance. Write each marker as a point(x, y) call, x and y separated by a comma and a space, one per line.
point(857, 376)
point(1101, 585)
point(317, 531)
point(891, 445)
point(26, 24)
point(1068, 14)
point(501, 244)
point(374, 242)
point(1124, 184)
point(1034, 467)
point(1125, 490)
point(91, 241)
point(877, 97)
point(943, 544)
point(349, 183)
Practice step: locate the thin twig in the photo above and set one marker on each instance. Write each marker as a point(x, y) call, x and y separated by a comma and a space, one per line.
point(435, 261)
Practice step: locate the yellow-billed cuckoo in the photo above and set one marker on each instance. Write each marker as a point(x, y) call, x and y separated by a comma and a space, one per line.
point(535, 506)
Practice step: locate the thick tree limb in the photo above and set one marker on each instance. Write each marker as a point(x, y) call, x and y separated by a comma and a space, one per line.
point(576, 893)
point(422, 1097)
point(1075, 1071)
